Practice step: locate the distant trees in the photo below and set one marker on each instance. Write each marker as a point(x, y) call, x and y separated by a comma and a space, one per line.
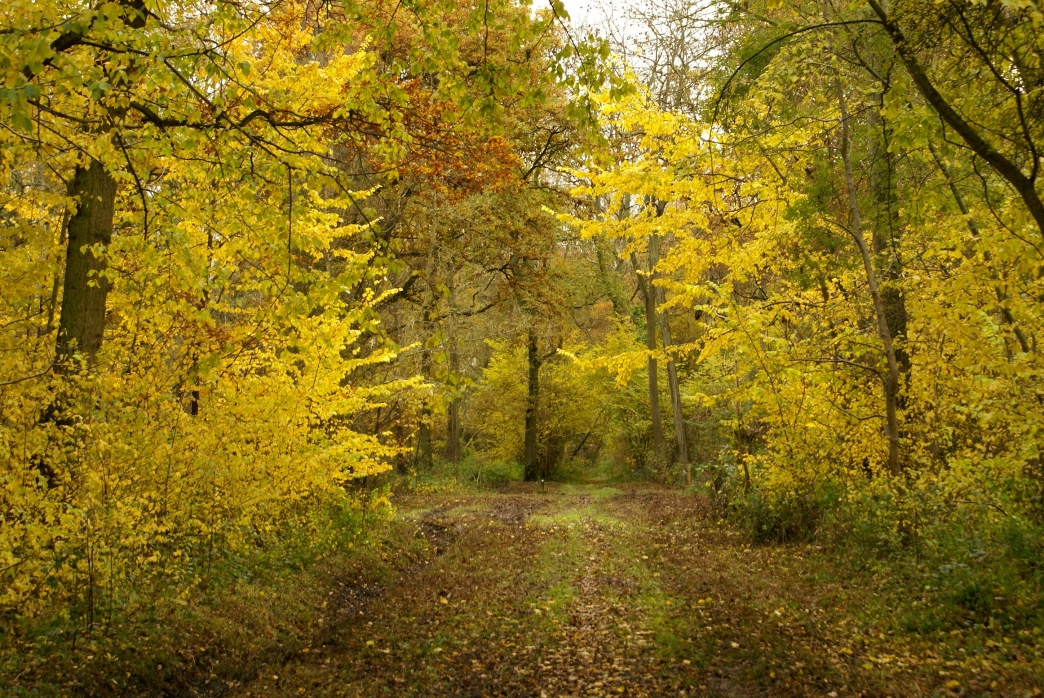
point(852, 192)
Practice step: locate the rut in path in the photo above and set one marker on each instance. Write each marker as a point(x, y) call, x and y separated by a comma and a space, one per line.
point(597, 652)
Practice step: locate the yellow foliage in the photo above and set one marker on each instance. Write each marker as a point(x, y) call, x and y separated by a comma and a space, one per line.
point(787, 325)
point(572, 402)
point(220, 403)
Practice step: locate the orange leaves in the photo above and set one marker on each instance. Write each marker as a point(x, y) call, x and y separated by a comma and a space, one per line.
point(453, 158)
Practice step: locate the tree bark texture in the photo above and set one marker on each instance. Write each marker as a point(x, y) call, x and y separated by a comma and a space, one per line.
point(81, 323)
point(532, 466)
point(606, 256)
point(424, 458)
point(672, 369)
point(453, 417)
point(887, 235)
point(649, 298)
point(891, 379)
point(453, 411)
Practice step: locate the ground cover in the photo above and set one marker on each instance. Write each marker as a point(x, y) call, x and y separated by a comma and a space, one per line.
point(561, 590)
point(640, 591)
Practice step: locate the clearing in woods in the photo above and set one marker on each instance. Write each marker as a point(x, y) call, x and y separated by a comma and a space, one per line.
point(588, 591)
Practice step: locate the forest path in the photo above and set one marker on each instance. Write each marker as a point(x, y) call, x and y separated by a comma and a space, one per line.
point(580, 591)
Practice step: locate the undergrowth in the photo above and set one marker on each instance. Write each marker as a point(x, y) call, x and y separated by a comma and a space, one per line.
point(256, 607)
point(942, 569)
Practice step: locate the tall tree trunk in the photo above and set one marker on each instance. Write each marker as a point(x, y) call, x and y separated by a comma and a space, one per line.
point(887, 234)
point(81, 322)
point(453, 417)
point(56, 285)
point(424, 459)
point(648, 292)
point(453, 412)
point(606, 255)
point(672, 370)
point(649, 297)
point(532, 466)
point(891, 379)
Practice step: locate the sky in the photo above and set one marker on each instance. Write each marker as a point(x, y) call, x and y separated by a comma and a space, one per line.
point(587, 11)
point(597, 14)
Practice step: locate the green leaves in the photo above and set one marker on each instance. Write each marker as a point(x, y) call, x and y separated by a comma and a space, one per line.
point(98, 89)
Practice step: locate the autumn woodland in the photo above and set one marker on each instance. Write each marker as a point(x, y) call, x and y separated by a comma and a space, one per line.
point(439, 348)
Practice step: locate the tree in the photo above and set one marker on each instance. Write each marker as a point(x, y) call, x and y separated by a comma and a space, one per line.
point(829, 232)
point(1000, 40)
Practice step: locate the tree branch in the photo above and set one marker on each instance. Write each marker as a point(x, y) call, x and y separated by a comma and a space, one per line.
point(1004, 167)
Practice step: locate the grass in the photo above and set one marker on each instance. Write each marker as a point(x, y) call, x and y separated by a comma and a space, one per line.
point(593, 491)
point(559, 563)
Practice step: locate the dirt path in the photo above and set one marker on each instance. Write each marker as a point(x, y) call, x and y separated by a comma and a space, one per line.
point(599, 592)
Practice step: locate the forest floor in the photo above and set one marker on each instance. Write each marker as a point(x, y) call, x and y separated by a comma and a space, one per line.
point(596, 591)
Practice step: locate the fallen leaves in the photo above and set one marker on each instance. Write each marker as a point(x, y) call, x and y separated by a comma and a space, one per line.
point(573, 609)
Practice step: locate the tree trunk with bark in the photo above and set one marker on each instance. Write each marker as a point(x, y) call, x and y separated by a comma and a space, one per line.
point(886, 237)
point(672, 369)
point(606, 256)
point(532, 465)
point(891, 378)
point(453, 416)
point(649, 297)
point(453, 411)
point(424, 459)
point(81, 323)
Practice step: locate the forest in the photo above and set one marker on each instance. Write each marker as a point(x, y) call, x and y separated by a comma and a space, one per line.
point(427, 347)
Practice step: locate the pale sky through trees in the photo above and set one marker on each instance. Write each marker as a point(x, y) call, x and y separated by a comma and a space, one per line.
point(583, 11)
point(594, 13)
point(616, 20)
